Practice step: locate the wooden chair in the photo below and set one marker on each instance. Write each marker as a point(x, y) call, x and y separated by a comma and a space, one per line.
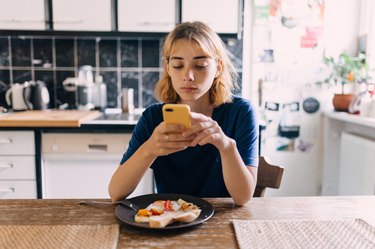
point(269, 176)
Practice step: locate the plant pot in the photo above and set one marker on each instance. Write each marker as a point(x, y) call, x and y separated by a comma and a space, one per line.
point(341, 102)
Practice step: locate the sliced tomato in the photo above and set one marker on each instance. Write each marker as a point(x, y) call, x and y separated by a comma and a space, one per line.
point(168, 205)
point(156, 211)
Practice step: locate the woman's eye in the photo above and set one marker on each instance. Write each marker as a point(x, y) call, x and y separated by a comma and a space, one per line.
point(177, 66)
point(203, 66)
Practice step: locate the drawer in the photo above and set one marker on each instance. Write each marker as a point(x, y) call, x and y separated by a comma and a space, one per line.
point(18, 190)
point(88, 144)
point(17, 168)
point(17, 143)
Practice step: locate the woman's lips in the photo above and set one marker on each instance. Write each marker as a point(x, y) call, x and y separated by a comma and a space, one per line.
point(188, 89)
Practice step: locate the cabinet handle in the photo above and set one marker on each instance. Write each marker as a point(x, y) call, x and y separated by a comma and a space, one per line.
point(6, 141)
point(7, 190)
point(68, 21)
point(6, 165)
point(97, 148)
point(20, 21)
point(154, 23)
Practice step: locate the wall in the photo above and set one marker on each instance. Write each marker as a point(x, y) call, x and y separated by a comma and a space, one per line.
point(122, 61)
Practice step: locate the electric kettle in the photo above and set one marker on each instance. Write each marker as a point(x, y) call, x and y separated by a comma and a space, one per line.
point(14, 96)
point(36, 95)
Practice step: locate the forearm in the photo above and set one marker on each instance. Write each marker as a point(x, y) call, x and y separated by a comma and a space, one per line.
point(128, 175)
point(238, 179)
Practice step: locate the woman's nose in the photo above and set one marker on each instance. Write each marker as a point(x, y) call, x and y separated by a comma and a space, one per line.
point(188, 75)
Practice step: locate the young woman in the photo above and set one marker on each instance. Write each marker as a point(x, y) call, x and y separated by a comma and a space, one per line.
point(218, 155)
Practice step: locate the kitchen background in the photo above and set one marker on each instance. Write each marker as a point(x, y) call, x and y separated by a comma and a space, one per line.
point(277, 46)
point(122, 62)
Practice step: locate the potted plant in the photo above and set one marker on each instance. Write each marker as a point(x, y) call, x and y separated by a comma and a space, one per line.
point(345, 70)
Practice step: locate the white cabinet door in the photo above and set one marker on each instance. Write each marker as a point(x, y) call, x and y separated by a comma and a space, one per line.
point(83, 15)
point(17, 143)
point(221, 15)
point(146, 15)
point(24, 189)
point(22, 14)
point(357, 167)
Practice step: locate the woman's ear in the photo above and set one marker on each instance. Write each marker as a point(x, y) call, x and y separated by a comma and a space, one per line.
point(219, 67)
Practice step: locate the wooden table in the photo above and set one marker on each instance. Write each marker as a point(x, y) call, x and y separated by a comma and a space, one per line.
point(217, 232)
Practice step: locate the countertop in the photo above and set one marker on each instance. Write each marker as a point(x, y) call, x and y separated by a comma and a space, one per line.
point(351, 118)
point(67, 119)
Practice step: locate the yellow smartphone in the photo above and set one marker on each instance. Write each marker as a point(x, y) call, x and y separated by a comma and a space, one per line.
point(177, 114)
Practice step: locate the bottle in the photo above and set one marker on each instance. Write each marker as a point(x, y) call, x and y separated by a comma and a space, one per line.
point(128, 100)
point(101, 93)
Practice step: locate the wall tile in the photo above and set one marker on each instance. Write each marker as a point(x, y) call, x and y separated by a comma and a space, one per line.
point(108, 53)
point(20, 76)
point(235, 48)
point(149, 80)
point(4, 51)
point(86, 52)
point(42, 53)
point(56, 58)
point(5, 76)
point(21, 54)
point(150, 53)
point(64, 52)
point(129, 53)
point(4, 85)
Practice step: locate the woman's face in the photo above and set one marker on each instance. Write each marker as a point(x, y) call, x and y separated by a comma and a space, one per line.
point(192, 71)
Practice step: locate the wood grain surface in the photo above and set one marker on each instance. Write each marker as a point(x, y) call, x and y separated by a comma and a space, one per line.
point(217, 232)
point(47, 118)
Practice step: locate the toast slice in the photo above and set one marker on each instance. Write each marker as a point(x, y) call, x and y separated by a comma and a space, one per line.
point(162, 213)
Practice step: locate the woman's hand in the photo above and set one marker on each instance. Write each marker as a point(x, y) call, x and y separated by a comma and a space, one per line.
point(206, 131)
point(167, 139)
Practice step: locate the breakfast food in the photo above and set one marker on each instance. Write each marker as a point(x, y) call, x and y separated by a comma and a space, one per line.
point(161, 213)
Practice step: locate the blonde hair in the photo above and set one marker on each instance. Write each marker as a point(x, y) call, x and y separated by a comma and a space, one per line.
point(211, 43)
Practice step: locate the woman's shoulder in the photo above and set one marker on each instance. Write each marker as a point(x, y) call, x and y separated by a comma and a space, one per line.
point(242, 103)
point(153, 112)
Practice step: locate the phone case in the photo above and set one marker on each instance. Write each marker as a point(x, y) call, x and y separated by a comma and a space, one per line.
point(177, 114)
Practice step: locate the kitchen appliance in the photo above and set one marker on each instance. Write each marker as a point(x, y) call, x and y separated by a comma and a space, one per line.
point(85, 88)
point(15, 96)
point(88, 161)
point(70, 86)
point(36, 95)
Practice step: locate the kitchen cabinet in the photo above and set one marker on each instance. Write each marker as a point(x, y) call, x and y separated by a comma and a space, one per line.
point(349, 149)
point(357, 171)
point(84, 15)
point(87, 160)
point(221, 15)
point(17, 165)
point(146, 16)
point(21, 14)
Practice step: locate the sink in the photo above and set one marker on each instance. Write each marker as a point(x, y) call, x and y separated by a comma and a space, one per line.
point(117, 118)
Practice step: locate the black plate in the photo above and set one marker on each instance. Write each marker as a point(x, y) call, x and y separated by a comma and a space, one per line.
point(126, 215)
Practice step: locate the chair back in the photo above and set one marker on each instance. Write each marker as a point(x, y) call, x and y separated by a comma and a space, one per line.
point(269, 176)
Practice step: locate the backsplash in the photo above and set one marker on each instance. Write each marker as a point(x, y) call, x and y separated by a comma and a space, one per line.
point(123, 63)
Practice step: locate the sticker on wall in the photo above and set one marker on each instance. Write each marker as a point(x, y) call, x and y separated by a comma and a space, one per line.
point(310, 105)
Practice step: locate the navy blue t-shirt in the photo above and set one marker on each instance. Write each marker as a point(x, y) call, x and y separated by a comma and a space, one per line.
point(197, 170)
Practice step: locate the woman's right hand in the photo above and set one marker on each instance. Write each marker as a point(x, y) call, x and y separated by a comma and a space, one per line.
point(167, 139)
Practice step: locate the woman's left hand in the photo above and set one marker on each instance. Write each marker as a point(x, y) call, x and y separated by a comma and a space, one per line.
point(207, 131)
